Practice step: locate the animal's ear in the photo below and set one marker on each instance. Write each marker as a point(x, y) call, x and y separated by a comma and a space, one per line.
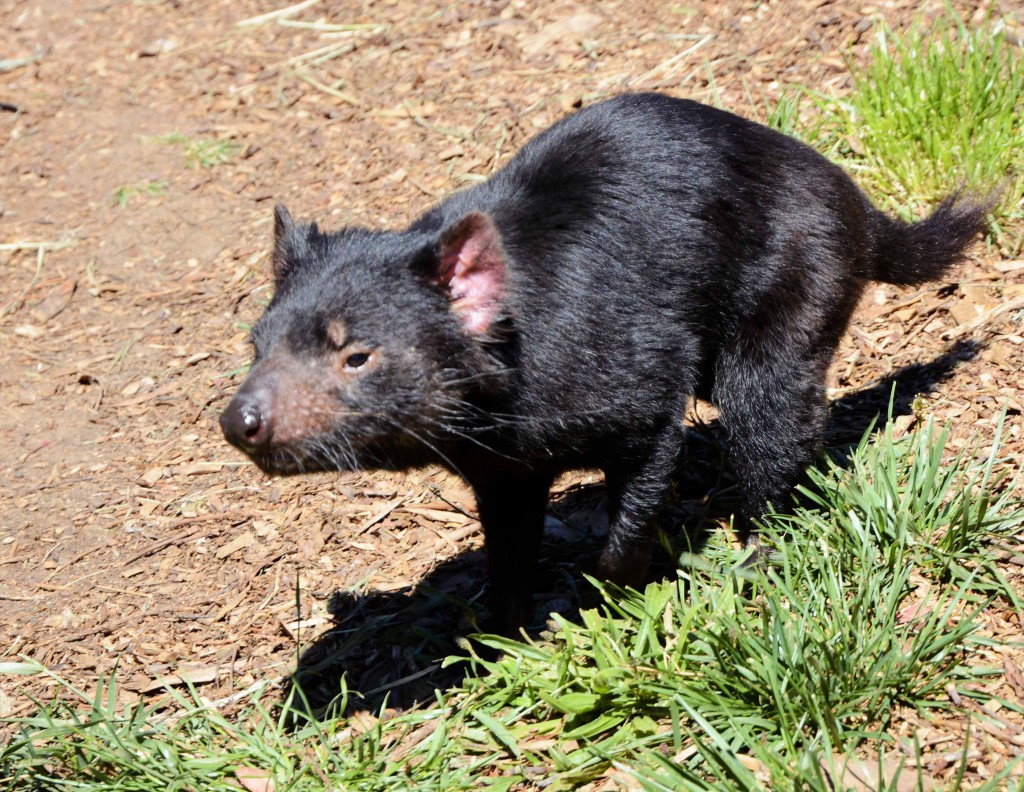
point(284, 230)
point(471, 267)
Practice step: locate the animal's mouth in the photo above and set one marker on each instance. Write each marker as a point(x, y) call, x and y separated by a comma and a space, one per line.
point(281, 462)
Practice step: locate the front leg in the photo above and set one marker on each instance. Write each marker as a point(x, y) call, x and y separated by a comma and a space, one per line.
point(637, 487)
point(512, 510)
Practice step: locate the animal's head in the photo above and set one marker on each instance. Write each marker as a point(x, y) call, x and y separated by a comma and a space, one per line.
point(370, 346)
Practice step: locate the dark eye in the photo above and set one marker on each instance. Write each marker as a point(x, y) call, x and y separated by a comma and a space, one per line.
point(356, 361)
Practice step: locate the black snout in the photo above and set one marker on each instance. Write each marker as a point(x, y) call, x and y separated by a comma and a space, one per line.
point(245, 423)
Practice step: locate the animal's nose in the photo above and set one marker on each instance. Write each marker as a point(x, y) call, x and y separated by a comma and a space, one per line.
point(246, 424)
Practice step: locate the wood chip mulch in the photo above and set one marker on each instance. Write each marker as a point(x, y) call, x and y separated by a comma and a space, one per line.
point(130, 534)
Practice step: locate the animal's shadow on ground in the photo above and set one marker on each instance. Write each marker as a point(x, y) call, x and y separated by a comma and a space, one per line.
point(389, 646)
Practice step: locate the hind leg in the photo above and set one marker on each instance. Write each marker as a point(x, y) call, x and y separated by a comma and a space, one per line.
point(775, 412)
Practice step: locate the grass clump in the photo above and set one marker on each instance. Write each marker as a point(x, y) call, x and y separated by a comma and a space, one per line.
point(757, 678)
point(727, 678)
point(936, 107)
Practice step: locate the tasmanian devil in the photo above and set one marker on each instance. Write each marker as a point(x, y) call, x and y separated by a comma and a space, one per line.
point(562, 314)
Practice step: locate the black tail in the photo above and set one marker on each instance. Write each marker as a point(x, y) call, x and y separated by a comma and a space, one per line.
point(909, 254)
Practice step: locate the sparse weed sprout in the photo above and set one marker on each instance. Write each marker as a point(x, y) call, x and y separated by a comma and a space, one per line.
point(207, 153)
point(201, 153)
point(123, 194)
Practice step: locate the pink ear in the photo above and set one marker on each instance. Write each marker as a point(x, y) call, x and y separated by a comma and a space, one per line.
point(472, 266)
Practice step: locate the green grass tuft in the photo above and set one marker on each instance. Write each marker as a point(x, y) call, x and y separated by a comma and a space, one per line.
point(936, 108)
point(728, 678)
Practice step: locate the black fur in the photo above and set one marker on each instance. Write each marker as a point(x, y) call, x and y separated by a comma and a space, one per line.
point(638, 253)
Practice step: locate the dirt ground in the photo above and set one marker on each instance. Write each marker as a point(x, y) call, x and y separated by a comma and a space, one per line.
point(133, 261)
